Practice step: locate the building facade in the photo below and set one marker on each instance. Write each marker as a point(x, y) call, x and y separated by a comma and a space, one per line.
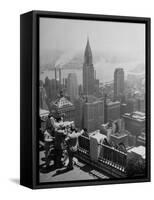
point(112, 110)
point(118, 83)
point(93, 115)
point(79, 111)
point(72, 87)
point(134, 122)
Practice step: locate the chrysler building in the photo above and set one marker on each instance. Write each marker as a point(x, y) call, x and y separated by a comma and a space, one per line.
point(88, 71)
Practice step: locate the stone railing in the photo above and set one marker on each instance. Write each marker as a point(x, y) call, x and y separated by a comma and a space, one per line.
point(108, 157)
point(113, 157)
point(84, 144)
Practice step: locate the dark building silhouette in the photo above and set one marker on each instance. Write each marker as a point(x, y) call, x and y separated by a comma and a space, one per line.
point(47, 87)
point(53, 86)
point(118, 83)
point(79, 117)
point(88, 72)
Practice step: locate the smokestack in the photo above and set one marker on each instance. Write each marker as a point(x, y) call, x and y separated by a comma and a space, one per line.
point(95, 74)
point(55, 74)
point(56, 78)
point(59, 76)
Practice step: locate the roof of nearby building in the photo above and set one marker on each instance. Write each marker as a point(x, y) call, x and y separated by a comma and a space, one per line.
point(91, 99)
point(140, 116)
point(62, 101)
point(140, 150)
point(110, 103)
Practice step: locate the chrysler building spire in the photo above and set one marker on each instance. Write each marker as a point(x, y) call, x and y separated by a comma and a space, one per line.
point(88, 71)
point(88, 54)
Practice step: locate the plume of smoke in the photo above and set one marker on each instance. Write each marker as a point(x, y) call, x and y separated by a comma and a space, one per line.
point(64, 59)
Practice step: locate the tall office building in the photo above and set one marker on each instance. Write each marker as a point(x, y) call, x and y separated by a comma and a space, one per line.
point(89, 113)
point(53, 86)
point(118, 83)
point(132, 105)
point(88, 72)
point(112, 111)
point(79, 108)
point(93, 114)
point(72, 87)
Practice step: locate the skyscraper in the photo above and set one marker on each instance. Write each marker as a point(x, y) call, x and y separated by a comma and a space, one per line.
point(79, 111)
point(72, 87)
point(93, 114)
point(112, 111)
point(88, 71)
point(118, 83)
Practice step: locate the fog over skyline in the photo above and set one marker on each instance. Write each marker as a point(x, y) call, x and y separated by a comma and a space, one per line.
point(121, 39)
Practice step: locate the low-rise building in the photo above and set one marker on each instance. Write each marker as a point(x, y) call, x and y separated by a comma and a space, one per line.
point(63, 106)
point(134, 122)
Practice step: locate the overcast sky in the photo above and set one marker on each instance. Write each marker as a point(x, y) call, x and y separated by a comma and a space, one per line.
point(71, 35)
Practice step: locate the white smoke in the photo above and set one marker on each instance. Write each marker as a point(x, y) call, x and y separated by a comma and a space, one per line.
point(65, 58)
point(105, 69)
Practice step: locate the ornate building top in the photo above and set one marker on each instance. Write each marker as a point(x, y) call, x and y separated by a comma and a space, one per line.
point(62, 102)
point(88, 54)
point(88, 72)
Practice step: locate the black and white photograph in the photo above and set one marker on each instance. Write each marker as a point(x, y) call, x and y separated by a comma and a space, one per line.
point(92, 100)
point(76, 100)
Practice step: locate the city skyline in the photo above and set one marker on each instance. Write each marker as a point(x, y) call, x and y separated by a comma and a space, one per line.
point(114, 45)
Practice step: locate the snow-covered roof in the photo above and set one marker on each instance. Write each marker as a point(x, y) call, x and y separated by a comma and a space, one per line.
point(140, 150)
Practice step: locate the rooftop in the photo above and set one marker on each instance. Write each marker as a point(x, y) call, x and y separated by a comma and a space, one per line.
point(63, 101)
point(112, 103)
point(91, 99)
point(81, 171)
point(140, 150)
point(140, 116)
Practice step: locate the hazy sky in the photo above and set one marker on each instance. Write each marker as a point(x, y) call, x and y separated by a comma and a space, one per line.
point(71, 35)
